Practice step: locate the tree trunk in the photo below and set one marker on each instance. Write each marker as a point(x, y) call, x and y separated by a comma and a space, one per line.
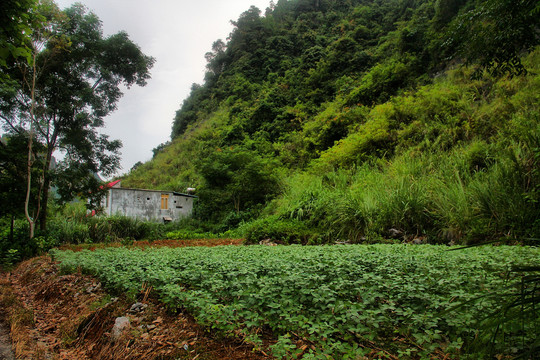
point(47, 180)
point(31, 220)
point(32, 229)
point(236, 203)
point(45, 200)
point(11, 229)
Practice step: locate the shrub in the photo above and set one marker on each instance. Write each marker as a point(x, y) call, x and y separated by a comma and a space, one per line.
point(287, 231)
point(105, 229)
point(20, 246)
point(67, 231)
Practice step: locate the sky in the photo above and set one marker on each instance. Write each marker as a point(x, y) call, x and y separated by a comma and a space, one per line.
point(177, 33)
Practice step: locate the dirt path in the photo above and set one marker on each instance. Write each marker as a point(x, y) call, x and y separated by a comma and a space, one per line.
point(5, 344)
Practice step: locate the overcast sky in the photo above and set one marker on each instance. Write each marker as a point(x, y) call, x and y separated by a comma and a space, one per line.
point(177, 33)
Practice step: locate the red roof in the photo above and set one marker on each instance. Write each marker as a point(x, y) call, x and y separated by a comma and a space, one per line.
point(109, 185)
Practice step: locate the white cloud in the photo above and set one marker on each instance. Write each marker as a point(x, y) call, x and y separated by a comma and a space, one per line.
point(176, 33)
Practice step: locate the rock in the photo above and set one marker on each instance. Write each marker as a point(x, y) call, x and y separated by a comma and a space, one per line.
point(419, 240)
point(137, 308)
point(121, 324)
point(394, 233)
point(267, 242)
point(92, 288)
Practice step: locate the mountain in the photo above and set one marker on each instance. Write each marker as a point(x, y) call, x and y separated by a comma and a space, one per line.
point(364, 119)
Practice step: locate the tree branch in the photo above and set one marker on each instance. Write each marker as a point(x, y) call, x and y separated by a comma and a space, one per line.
point(8, 121)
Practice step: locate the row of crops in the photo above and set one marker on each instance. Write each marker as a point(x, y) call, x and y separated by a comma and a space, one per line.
point(338, 301)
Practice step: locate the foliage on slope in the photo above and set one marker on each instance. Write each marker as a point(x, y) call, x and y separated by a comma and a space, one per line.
point(345, 113)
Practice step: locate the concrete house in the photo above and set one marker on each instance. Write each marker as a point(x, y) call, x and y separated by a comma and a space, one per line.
point(148, 205)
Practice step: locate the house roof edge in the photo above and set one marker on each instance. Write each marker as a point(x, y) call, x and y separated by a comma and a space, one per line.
point(161, 191)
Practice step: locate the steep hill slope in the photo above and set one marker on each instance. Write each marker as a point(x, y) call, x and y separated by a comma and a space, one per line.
point(356, 117)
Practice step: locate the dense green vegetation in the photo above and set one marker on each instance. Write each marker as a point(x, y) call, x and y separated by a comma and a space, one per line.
point(71, 224)
point(321, 121)
point(59, 78)
point(343, 119)
point(318, 121)
point(339, 302)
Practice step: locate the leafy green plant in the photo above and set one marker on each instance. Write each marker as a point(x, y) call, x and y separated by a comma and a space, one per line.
point(9, 258)
point(189, 235)
point(341, 299)
point(514, 315)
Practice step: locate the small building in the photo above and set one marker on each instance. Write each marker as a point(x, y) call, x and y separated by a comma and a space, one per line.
point(148, 205)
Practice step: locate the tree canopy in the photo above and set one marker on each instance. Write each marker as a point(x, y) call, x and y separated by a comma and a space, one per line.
point(16, 18)
point(495, 33)
point(72, 84)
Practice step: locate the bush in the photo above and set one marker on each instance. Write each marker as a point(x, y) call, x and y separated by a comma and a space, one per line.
point(67, 231)
point(106, 229)
point(20, 246)
point(287, 231)
point(72, 225)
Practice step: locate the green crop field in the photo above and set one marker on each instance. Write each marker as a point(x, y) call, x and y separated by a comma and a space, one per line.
point(341, 302)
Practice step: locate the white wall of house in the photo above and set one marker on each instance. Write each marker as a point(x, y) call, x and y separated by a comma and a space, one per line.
point(149, 205)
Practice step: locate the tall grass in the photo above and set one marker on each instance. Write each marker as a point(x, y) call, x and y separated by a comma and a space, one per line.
point(462, 196)
point(73, 225)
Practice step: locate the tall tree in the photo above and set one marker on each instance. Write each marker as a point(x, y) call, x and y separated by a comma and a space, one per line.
point(13, 176)
point(76, 82)
point(38, 26)
point(16, 19)
point(495, 33)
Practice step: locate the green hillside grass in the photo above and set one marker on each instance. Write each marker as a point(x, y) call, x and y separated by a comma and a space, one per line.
point(347, 120)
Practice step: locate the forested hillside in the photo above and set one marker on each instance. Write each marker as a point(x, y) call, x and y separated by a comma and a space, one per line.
point(358, 120)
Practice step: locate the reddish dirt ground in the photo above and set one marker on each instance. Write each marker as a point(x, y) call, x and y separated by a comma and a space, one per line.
point(160, 243)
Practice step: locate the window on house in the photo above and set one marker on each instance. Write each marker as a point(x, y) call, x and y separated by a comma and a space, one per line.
point(164, 201)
